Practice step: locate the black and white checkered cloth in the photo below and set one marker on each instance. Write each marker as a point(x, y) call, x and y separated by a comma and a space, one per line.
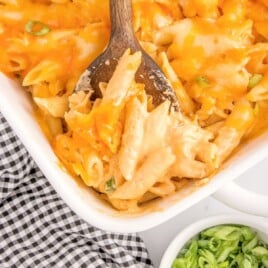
point(37, 229)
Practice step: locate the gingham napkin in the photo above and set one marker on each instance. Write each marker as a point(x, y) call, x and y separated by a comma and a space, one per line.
point(37, 229)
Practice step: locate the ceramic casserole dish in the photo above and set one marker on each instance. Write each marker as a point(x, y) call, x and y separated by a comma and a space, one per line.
point(16, 106)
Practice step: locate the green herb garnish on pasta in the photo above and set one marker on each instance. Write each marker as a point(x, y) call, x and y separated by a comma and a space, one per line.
point(254, 80)
point(202, 81)
point(110, 185)
point(37, 28)
point(224, 246)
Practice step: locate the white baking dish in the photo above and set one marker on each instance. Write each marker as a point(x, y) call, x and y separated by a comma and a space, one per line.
point(16, 107)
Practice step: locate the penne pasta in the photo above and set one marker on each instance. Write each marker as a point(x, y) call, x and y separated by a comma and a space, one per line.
point(214, 54)
point(184, 99)
point(260, 91)
point(155, 129)
point(226, 136)
point(43, 72)
point(189, 168)
point(55, 106)
point(153, 168)
point(163, 188)
point(94, 169)
point(132, 140)
point(128, 65)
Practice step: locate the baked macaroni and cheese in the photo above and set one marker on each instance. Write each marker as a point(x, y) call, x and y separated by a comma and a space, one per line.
point(214, 53)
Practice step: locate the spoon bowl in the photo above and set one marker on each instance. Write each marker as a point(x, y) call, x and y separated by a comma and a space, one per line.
point(123, 38)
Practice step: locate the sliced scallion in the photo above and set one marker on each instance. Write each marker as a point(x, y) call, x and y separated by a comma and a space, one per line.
point(254, 80)
point(224, 246)
point(202, 81)
point(110, 185)
point(41, 28)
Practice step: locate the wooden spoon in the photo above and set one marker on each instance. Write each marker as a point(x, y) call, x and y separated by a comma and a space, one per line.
point(122, 38)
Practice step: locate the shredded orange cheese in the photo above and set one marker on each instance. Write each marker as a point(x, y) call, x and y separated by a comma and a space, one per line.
point(208, 50)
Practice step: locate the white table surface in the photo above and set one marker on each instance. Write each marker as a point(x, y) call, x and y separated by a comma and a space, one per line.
point(158, 238)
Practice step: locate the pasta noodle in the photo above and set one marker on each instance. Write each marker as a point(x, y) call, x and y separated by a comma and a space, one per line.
point(153, 168)
point(132, 140)
point(214, 54)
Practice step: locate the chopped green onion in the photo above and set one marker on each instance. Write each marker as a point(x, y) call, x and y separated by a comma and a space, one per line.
point(247, 232)
point(209, 257)
point(265, 261)
point(247, 263)
point(203, 243)
point(226, 232)
point(43, 29)
point(191, 254)
point(251, 244)
point(110, 185)
point(214, 244)
point(179, 263)
point(202, 81)
point(226, 249)
point(254, 80)
point(260, 251)
point(224, 246)
point(224, 265)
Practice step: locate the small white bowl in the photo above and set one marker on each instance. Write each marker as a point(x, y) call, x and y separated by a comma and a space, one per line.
point(257, 224)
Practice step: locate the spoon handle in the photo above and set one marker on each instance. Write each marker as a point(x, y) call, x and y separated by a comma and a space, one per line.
point(121, 24)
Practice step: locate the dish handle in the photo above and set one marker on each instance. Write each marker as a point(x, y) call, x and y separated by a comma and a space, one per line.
point(242, 199)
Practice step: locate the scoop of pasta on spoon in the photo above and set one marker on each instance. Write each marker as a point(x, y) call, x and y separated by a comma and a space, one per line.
point(123, 38)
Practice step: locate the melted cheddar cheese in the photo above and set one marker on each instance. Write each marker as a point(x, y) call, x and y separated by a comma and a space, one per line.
point(214, 53)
